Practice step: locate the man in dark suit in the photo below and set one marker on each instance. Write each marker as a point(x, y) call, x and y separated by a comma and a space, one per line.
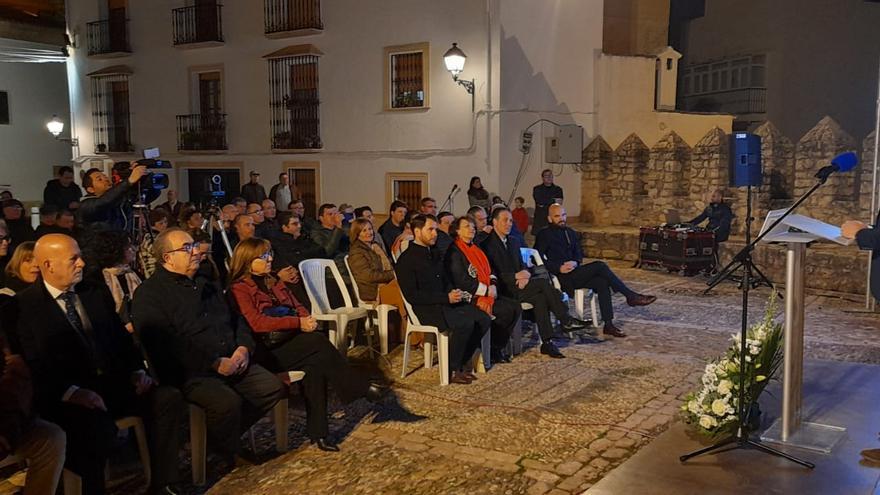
point(515, 281)
point(420, 276)
point(867, 238)
point(172, 206)
point(563, 255)
point(195, 343)
point(86, 369)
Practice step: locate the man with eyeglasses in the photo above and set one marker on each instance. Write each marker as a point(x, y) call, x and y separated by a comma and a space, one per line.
point(194, 343)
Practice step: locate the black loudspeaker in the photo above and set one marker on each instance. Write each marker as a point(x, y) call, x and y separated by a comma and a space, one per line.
point(745, 160)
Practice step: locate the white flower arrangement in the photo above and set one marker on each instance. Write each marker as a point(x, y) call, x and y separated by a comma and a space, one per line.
point(714, 408)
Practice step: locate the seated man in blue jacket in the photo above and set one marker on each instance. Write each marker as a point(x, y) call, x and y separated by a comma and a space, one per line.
point(560, 247)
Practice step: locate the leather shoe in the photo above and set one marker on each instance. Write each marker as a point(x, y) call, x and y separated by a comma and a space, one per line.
point(610, 329)
point(640, 300)
point(551, 350)
point(872, 455)
point(460, 378)
point(375, 392)
point(572, 325)
point(471, 376)
point(325, 445)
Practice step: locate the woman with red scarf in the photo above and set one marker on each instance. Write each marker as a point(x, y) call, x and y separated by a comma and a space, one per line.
point(468, 269)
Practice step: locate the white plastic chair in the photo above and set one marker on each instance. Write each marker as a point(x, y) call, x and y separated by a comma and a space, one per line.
point(532, 257)
point(381, 310)
point(314, 277)
point(483, 361)
point(73, 482)
point(198, 437)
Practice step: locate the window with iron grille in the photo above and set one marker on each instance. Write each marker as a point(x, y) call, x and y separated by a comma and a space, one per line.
point(294, 102)
point(407, 76)
point(110, 113)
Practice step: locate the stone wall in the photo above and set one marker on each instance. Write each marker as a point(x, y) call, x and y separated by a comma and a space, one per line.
point(636, 185)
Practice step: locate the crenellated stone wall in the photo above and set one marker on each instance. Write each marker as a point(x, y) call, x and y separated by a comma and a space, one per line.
point(636, 185)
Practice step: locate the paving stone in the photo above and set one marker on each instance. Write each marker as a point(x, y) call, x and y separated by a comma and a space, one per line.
point(615, 453)
point(625, 443)
point(614, 435)
point(412, 446)
point(533, 464)
point(601, 444)
point(500, 456)
point(502, 466)
point(585, 455)
point(364, 435)
point(571, 483)
point(599, 463)
point(541, 476)
point(540, 488)
point(568, 468)
point(655, 422)
point(415, 437)
point(557, 491)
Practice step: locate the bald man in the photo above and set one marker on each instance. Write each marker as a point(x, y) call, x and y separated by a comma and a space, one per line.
point(560, 246)
point(86, 369)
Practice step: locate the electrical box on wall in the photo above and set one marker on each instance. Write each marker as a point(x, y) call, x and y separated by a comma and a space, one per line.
point(566, 146)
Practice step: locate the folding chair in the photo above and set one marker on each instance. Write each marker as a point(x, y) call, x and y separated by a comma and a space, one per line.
point(381, 310)
point(314, 277)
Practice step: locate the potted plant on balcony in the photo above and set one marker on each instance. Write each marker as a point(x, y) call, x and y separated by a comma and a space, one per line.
point(101, 147)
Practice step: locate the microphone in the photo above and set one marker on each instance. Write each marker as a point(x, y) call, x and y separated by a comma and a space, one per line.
point(843, 162)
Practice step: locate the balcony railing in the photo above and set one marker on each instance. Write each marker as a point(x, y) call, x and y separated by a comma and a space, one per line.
point(201, 132)
point(197, 24)
point(292, 15)
point(109, 36)
point(734, 101)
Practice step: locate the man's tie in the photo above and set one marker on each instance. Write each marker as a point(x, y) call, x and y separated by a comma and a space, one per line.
point(73, 317)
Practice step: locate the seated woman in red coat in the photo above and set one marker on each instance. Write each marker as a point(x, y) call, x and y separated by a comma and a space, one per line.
point(287, 341)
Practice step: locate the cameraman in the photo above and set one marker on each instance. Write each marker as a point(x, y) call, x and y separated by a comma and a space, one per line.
point(103, 207)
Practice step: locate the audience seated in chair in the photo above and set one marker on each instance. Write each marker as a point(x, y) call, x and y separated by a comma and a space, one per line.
point(330, 235)
point(393, 227)
point(468, 269)
point(87, 371)
point(291, 246)
point(515, 281)
point(421, 280)
point(194, 343)
point(561, 248)
point(21, 271)
point(24, 434)
point(287, 341)
point(158, 220)
point(373, 272)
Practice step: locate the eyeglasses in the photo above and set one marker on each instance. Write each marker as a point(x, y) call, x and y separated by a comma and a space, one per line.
point(5, 238)
point(256, 212)
point(188, 248)
point(267, 255)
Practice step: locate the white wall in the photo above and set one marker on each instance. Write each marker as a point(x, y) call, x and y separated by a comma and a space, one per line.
point(27, 150)
point(547, 71)
point(361, 141)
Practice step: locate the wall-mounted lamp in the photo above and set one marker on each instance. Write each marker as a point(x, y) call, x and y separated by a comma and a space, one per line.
point(454, 59)
point(56, 126)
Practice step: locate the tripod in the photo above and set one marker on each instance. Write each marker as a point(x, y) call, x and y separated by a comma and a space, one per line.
point(743, 260)
point(741, 438)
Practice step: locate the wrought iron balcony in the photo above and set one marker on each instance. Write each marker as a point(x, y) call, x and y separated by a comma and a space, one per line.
point(734, 101)
point(109, 36)
point(285, 16)
point(201, 132)
point(198, 24)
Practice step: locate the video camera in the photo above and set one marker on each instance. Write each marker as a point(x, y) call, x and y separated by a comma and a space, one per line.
point(149, 186)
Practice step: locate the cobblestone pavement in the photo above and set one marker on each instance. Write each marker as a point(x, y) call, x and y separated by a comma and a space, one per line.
point(537, 425)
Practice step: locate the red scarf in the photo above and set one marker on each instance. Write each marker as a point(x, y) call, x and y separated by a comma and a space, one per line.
point(477, 258)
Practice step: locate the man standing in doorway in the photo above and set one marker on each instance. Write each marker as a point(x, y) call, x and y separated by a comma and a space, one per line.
point(253, 191)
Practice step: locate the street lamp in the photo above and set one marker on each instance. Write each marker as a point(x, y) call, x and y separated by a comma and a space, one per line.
point(454, 59)
point(56, 126)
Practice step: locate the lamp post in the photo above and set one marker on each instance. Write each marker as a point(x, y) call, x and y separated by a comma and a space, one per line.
point(454, 59)
point(56, 126)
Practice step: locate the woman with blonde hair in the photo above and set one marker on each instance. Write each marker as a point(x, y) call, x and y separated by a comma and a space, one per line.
point(21, 271)
point(371, 270)
point(287, 341)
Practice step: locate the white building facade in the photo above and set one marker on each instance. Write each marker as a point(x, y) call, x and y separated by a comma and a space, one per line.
point(351, 97)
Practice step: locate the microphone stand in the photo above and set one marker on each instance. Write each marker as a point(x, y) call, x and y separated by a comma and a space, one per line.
point(448, 200)
point(740, 439)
